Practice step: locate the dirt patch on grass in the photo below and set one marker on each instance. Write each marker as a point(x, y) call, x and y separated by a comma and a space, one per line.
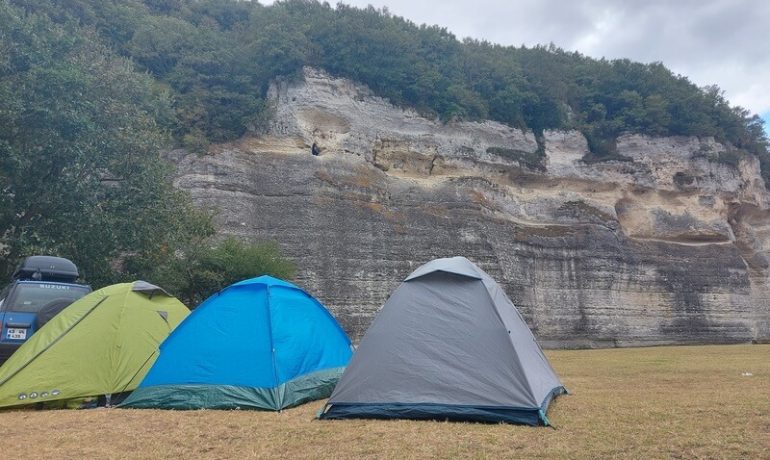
point(667, 402)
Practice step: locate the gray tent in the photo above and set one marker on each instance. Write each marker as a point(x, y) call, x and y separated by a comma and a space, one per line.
point(447, 345)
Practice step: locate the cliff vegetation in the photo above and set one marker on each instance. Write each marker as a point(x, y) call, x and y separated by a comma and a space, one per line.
point(217, 57)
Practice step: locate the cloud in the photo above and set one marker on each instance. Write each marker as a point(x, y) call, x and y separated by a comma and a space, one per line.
point(710, 42)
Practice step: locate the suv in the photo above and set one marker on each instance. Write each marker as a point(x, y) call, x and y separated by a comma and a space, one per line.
point(41, 287)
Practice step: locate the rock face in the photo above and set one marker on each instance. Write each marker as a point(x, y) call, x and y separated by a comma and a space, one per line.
point(667, 247)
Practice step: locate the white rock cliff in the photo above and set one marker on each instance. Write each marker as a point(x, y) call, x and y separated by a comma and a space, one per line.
point(668, 247)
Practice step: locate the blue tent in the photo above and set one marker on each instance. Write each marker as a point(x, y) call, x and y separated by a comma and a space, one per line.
point(261, 343)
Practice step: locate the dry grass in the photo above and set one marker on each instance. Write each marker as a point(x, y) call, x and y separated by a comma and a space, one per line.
point(668, 402)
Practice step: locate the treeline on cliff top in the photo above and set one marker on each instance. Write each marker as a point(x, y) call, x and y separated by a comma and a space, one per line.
point(218, 57)
point(92, 90)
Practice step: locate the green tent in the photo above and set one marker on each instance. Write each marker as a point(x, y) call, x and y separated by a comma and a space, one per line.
point(102, 344)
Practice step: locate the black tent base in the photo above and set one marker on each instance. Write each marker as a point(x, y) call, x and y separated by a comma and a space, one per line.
point(436, 412)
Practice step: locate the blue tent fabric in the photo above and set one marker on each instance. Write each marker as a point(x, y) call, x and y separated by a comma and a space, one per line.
point(261, 343)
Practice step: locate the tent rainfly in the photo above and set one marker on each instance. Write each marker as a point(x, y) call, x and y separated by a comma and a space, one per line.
point(102, 344)
point(447, 345)
point(261, 343)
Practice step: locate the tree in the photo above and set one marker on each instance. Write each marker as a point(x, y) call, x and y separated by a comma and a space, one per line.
point(203, 268)
point(80, 171)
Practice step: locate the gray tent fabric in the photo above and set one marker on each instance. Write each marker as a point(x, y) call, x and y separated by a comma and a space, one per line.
point(456, 265)
point(448, 344)
point(148, 289)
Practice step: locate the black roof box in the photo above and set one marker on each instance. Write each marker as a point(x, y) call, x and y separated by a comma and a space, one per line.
point(47, 268)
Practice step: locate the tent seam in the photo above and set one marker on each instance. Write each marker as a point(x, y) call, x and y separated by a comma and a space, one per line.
point(505, 327)
point(54, 341)
point(111, 352)
point(324, 309)
point(272, 343)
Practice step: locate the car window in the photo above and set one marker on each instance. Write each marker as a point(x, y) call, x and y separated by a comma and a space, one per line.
point(34, 296)
point(3, 295)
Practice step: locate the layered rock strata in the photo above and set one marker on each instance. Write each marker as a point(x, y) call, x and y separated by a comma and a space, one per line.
point(669, 246)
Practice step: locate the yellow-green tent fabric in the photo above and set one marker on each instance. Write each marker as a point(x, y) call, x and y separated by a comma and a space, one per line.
point(102, 344)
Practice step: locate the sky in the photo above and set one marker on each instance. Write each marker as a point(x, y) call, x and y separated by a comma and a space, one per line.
point(722, 42)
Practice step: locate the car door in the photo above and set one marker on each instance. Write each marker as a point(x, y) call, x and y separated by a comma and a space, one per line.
point(17, 326)
point(7, 346)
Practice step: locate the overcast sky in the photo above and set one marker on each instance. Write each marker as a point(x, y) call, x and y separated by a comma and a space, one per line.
point(722, 42)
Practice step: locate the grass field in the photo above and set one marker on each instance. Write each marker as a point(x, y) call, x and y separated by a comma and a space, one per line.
point(666, 402)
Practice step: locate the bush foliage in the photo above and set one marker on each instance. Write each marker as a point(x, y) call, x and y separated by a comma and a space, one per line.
point(81, 175)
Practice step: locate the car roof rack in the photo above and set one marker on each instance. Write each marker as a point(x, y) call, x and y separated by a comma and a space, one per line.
point(46, 268)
